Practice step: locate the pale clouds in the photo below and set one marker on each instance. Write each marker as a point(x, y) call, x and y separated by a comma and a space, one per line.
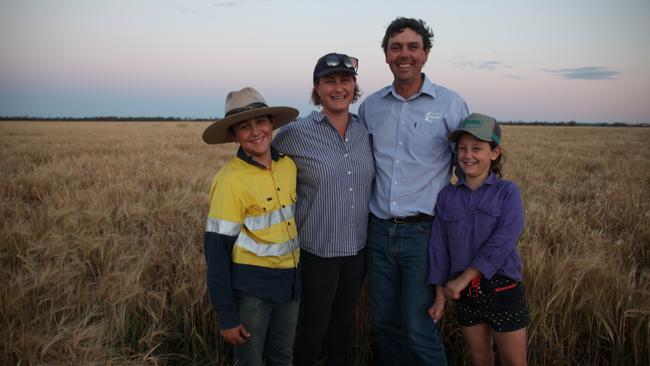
point(491, 65)
point(586, 73)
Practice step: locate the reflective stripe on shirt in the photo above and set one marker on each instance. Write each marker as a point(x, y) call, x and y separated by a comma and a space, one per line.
point(266, 249)
point(260, 222)
point(222, 227)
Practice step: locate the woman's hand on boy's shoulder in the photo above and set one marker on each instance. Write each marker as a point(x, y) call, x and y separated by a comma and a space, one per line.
point(235, 336)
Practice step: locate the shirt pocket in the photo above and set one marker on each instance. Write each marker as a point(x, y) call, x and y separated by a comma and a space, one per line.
point(508, 294)
point(487, 219)
point(255, 218)
point(255, 210)
point(428, 138)
point(455, 224)
point(290, 208)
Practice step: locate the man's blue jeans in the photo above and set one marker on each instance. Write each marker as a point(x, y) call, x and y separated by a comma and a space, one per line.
point(398, 267)
point(272, 327)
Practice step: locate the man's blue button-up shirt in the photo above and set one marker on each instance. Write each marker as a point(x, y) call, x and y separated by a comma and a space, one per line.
point(412, 154)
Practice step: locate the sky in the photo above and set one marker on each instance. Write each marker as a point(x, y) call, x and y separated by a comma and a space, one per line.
point(518, 60)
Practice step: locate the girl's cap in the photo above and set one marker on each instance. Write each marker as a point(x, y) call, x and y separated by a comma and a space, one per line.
point(480, 126)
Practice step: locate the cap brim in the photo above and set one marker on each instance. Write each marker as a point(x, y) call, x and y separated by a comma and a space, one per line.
point(336, 70)
point(217, 132)
point(455, 134)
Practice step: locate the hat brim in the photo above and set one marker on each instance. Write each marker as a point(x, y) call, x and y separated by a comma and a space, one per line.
point(455, 135)
point(335, 70)
point(217, 132)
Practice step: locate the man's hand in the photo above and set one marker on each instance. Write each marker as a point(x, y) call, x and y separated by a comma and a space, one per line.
point(437, 309)
point(235, 336)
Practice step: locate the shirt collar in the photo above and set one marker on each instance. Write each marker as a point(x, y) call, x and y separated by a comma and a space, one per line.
point(275, 156)
point(427, 87)
point(319, 116)
point(491, 179)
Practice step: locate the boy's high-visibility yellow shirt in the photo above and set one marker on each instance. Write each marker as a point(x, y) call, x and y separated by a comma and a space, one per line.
point(251, 239)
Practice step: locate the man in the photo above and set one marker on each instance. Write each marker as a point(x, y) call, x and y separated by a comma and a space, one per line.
point(408, 121)
point(251, 243)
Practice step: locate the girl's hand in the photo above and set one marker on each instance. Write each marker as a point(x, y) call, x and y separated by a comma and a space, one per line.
point(458, 284)
point(454, 287)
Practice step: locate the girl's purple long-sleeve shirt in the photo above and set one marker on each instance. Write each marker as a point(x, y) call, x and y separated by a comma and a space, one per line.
point(477, 229)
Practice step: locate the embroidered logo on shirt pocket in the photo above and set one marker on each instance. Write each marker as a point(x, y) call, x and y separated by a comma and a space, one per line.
point(432, 117)
point(255, 210)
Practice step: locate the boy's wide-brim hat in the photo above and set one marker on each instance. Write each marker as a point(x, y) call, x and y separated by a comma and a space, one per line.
point(482, 127)
point(240, 106)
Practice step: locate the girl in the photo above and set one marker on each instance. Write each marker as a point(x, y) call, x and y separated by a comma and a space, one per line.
point(473, 248)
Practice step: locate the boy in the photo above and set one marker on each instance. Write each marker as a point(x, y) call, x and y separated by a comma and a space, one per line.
point(251, 244)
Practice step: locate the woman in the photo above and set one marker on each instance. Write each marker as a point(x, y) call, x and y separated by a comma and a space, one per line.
point(335, 171)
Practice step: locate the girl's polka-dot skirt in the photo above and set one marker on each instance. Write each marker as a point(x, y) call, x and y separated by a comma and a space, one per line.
point(499, 302)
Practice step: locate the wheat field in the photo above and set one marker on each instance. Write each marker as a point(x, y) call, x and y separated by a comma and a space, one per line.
point(101, 257)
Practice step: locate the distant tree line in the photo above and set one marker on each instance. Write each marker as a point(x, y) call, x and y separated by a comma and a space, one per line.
point(574, 123)
point(179, 119)
point(104, 119)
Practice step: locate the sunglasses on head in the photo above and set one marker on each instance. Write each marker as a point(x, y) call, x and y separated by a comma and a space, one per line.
point(336, 60)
